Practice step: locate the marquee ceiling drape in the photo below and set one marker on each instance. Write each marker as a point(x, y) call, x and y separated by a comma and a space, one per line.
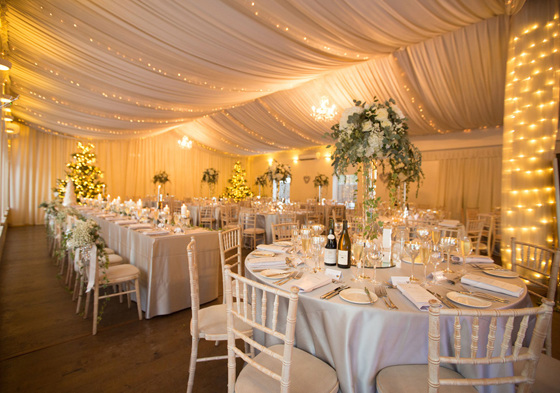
point(241, 76)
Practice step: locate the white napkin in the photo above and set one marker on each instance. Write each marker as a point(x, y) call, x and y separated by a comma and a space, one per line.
point(310, 282)
point(139, 226)
point(266, 262)
point(283, 243)
point(113, 218)
point(153, 232)
point(396, 280)
point(106, 215)
point(417, 295)
point(473, 259)
point(492, 284)
point(272, 247)
point(125, 222)
point(449, 223)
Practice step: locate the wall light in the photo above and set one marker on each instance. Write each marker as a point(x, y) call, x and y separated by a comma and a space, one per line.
point(5, 64)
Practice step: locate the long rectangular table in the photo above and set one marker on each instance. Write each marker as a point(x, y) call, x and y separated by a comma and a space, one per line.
point(162, 260)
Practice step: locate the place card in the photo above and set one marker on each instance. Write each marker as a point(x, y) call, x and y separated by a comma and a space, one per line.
point(396, 280)
point(333, 273)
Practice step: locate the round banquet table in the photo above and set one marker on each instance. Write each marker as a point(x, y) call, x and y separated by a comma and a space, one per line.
point(359, 340)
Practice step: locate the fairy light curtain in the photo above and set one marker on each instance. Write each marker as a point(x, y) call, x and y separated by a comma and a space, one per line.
point(241, 76)
point(531, 125)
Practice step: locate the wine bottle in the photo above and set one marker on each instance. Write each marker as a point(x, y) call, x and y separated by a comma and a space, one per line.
point(160, 202)
point(344, 246)
point(330, 247)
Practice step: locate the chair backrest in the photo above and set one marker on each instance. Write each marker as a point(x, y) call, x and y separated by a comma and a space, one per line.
point(474, 229)
point(338, 212)
point(247, 219)
point(206, 212)
point(487, 230)
point(534, 263)
point(258, 306)
point(230, 248)
point(193, 281)
point(491, 342)
point(225, 215)
point(286, 217)
point(282, 231)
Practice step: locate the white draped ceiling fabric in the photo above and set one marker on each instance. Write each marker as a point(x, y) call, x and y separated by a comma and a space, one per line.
point(239, 77)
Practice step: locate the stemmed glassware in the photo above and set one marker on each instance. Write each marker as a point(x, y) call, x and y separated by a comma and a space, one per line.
point(436, 257)
point(425, 255)
point(436, 235)
point(423, 233)
point(448, 244)
point(317, 245)
point(305, 235)
point(465, 246)
point(413, 249)
point(337, 229)
point(358, 256)
point(373, 253)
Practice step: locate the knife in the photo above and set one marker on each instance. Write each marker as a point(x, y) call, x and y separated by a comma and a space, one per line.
point(324, 296)
point(334, 292)
point(368, 295)
point(442, 299)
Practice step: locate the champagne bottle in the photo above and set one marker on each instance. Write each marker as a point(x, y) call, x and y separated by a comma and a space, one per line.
point(344, 246)
point(160, 202)
point(330, 247)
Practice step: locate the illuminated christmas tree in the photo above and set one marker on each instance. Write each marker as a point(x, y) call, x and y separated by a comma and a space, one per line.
point(239, 189)
point(83, 173)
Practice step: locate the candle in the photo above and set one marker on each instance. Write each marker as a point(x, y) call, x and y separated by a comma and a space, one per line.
point(184, 210)
point(99, 197)
point(166, 209)
point(139, 203)
point(108, 198)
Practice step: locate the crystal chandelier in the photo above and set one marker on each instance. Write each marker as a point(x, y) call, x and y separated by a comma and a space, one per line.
point(324, 111)
point(185, 143)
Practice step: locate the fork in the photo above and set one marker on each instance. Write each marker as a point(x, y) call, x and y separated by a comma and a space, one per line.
point(383, 292)
point(293, 276)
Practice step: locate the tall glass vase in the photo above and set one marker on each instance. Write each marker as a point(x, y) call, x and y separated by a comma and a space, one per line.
point(369, 179)
point(404, 204)
point(320, 194)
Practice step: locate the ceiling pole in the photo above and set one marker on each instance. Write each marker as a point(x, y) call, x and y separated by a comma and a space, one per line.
point(530, 126)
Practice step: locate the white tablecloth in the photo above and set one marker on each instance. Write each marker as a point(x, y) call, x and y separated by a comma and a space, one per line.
point(359, 340)
point(164, 271)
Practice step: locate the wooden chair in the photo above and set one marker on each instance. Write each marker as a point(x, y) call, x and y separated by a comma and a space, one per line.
point(474, 230)
point(287, 218)
point(338, 213)
point(206, 216)
point(248, 222)
point(121, 275)
point(487, 231)
point(537, 264)
point(230, 250)
point(227, 221)
point(280, 367)
point(208, 323)
point(412, 378)
point(282, 232)
point(497, 235)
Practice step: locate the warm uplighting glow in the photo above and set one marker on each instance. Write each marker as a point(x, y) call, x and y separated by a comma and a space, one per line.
point(5, 64)
point(324, 112)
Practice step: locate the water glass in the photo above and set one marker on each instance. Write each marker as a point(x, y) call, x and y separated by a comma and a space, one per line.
point(374, 254)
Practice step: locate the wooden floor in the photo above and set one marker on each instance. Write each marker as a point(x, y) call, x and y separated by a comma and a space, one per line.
point(46, 347)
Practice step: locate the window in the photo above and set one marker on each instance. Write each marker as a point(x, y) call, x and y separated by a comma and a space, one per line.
point(281, 190)
point(346, 189)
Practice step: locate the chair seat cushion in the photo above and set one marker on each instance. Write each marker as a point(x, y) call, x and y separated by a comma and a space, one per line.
point(307, 374)
point(255, 231)
point(121, 273)
point(115, 259)
point(109, 251)
point(546, 378)
point(212, 323)
point(413, 378)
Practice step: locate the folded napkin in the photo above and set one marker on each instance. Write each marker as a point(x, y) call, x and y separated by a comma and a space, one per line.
point(449, 223)
point(125, 222)
point(473, 259)
point(492, 284)
point(153, 232)
point(283, 243)
point(139, 226)
point(106, 215)
point(396, 280)
point(417, 295)
point(113, 218)
point(310, 282)
point(266, 262)
point(272, 247)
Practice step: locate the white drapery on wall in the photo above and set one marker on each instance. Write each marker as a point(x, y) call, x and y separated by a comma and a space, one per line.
point(38, 159)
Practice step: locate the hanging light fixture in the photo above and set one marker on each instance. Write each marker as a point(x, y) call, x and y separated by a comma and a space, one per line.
point(324, 112)
point(185, 143)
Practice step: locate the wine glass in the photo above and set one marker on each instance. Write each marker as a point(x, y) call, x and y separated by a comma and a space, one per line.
point(317, 229)
point(423, 233)
point(436, 235)
point(373, 253)
point(436, 258)
point(465, 245)
point(448, 244)
point(358, 256)
point(425, 254)
point(413, 249)
point(337, 229)
point(305, 242)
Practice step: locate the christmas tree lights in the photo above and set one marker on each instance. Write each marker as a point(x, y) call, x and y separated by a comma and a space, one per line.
point(239, 189)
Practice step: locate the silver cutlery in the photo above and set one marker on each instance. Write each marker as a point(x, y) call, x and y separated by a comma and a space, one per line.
point(485, 296)
point(442, 299)
point(383, 291)
point(368, 295)
point(334, 292)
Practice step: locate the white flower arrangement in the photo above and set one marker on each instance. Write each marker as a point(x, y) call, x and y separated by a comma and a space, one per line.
point(278, 172)
point(367, 133)
point(321, 180)
point(83, 234)
point(210, 176)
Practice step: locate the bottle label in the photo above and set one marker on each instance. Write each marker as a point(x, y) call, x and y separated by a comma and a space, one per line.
point(330, 256)
point(330, 237)
point(342, 258)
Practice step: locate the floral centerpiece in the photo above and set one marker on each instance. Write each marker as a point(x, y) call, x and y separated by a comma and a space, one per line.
point(278, 172)
point(321, 180)
point(210, 176)
point(261, 181)
point(375, 134)
point(161, 178)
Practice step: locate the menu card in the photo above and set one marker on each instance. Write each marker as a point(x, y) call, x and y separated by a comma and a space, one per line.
point(272, 247)
point(417, 295)
point(310, 282)
point(492, 284)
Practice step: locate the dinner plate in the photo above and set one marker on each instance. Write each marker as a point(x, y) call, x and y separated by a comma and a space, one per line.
point(356, 295)
point(501, 273)
point(283, 243)
point(469, 301)
point(275, 274)
point(259, 253)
